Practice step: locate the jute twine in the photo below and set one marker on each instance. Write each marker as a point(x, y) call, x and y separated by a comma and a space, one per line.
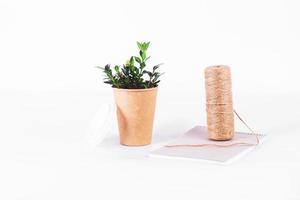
point(224, 145)
point(219, 108)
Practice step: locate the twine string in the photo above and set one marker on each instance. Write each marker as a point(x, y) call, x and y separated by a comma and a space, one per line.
point(250, 129)
point(224, 145)
point(219, 108)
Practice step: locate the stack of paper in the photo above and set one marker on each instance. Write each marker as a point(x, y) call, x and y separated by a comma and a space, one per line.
point(198, 135)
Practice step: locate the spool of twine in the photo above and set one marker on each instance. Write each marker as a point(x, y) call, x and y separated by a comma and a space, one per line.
point(219, 106)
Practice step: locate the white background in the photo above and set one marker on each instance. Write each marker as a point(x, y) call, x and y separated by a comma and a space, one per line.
point(50, 90)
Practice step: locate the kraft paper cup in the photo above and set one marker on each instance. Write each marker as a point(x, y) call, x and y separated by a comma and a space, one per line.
point(135, 114)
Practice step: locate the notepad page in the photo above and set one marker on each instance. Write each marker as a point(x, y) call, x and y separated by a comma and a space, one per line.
point(198, 135)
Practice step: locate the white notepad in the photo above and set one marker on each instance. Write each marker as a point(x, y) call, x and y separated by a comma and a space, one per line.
point(198, 135)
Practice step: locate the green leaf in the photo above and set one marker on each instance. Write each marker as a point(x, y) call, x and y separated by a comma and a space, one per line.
point(107, 67)
point(147, 72)
point(117, 68)
point(143, 65)
point(147, 58)
point(143, 55)
point(131, 61)
point(144, 46)
point(155, 67)
point(102, 68)
point(108, 82)
point(141, 52)
point(139, 45)
point(147, 45)
point(136, 70)
point(130, 75)
point(137, 59)
point(156, 77)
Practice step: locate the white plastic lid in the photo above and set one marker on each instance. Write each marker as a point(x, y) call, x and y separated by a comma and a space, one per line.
point(101, 124)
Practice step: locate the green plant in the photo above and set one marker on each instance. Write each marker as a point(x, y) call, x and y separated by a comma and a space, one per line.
point(131, 76)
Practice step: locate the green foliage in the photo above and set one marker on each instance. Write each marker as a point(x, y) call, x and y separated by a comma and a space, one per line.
point(131, 76)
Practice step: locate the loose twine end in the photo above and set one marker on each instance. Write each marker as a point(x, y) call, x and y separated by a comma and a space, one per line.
point(224, 145)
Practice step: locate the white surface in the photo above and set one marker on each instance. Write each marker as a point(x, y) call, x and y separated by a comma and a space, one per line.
point(50, 92)
point(218, 155)
point(56, 44)
point(43, 153)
